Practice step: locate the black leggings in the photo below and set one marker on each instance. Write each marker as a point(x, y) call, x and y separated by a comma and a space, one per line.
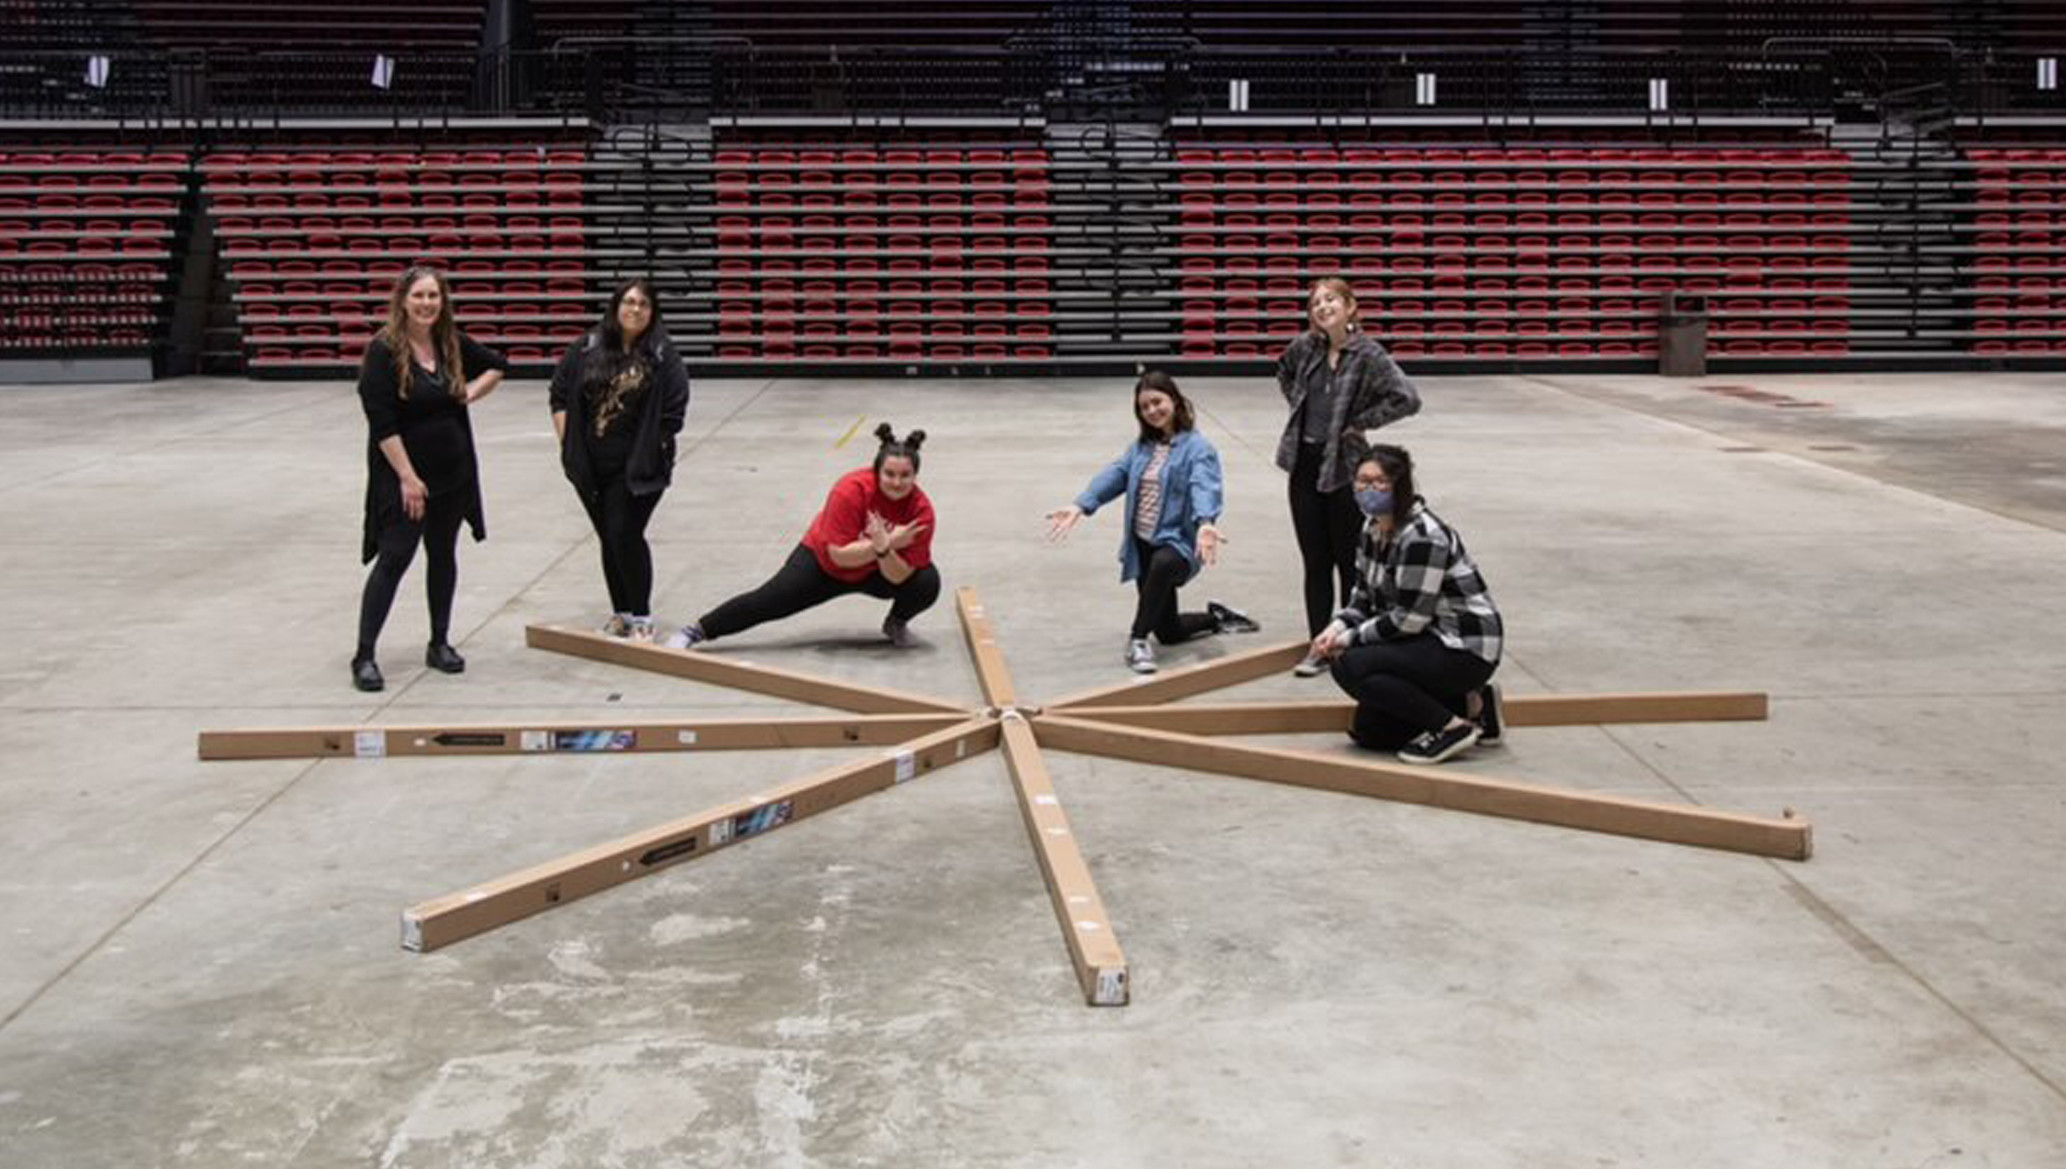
point(1163, 568)
point(438, 532)
point(1326, 524)
point(1405, 687)
point(800, 584)
point(620, 526)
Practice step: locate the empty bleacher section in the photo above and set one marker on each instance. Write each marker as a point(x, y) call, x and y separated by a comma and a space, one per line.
point(311, 240)
point(2011, 252)
point(87, 251)
point(1017, 184)
point(937, 246)
point(1473, 251)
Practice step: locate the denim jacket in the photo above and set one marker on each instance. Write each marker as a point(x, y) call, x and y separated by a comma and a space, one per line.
point(1191, 495)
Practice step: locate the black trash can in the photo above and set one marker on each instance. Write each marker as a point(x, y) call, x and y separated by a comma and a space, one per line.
point(1682, 336)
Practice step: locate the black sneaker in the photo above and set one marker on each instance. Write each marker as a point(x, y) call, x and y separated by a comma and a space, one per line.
point(1491, 715)
point(1436, 746)
point(440, 656)
point(1227, 619)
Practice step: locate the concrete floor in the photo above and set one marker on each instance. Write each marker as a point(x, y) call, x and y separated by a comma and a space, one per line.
point(200, 961)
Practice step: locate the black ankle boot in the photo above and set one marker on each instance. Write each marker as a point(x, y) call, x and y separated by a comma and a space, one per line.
point(366, 675)
point(443, 658)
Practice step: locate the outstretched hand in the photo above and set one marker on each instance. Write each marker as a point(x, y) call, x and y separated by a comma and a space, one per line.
point(1060, 520)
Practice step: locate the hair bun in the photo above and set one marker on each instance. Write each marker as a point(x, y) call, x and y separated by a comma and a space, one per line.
point(915, 439)
point(885, 433)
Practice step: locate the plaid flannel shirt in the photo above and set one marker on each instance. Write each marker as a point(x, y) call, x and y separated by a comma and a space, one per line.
point(1422, 580)
point(1370, 391)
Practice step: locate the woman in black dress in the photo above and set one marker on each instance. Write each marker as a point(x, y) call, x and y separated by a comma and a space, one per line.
point(619, 397)
point(418, 377)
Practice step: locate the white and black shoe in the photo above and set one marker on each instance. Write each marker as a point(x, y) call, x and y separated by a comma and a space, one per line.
point(1438, 746)
point(1310, 665)
point(687, 637)
point(1227, 619)
point(1140, 656)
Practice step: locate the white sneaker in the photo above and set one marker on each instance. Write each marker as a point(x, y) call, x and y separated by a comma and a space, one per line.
point(687, 637)
point(1140, 656)
point(1310, 665)
point(640, 629)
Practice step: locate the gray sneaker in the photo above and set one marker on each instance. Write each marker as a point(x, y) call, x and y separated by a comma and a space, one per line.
point(1310, 665)
point(898, 632)
point(1140, 656)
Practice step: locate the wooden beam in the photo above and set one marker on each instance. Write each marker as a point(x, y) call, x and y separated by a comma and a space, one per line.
point(1188, 680)
point(1532, 710)
point(1100, 964)
point(1786, 838)
point(704, 666)
point(991, 671)
point(548, 736)
point(445, 920)
point(1566, 710)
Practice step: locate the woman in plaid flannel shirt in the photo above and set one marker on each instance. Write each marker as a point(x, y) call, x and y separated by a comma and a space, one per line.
point(1420, 637)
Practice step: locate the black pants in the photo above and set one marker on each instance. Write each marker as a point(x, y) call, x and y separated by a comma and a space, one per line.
point(1162, 569)
point(1405, 687)
point(800, 584)
point(1326, 524)
point(438, 532)
point(620, 526)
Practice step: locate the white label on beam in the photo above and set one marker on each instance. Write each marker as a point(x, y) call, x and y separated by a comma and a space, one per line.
point(907, 764)
point(369, 744)
point(1424, 89)
point(687, 738)
point(1111, 988)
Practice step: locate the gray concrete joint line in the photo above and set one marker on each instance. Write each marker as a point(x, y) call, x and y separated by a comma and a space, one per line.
point(152, 898)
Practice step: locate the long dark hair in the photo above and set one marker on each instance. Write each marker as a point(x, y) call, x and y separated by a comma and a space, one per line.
point(1181, 416)
point(1397, 464)
point(444, 333)
point(895, 448)
point(609, 356)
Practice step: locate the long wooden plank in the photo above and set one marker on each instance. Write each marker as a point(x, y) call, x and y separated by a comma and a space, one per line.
point(1093, 948)
point(991, 672)
point(1533, 710)
point(444, 920)
point(559, 736)
point(1188, 680)
point(1782, 837)
point(715, 668)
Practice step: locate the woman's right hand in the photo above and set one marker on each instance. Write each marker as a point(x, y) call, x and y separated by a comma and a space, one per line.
point(414, 496)
point(1060, 520)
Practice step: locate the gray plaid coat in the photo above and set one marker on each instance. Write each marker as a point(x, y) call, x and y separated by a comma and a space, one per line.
point(1371, 391)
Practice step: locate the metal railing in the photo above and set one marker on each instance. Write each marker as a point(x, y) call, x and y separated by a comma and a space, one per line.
point(669, 78)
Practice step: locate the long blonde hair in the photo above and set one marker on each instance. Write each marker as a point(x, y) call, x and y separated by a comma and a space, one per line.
point(444, 332)
point(1340, 288)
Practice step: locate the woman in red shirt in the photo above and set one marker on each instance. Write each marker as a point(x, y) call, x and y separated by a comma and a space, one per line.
point(874, 535)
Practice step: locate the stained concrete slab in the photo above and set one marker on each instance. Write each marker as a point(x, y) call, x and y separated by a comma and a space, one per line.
point(201, 963)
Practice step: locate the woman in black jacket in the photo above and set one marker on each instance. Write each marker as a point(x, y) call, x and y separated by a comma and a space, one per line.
point(619, 397)
point(418, 377)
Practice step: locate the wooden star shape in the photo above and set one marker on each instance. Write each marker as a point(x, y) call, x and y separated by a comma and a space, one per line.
point(921, 734)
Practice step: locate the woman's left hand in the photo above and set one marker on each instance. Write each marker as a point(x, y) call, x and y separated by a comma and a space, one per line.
point(1209, 541)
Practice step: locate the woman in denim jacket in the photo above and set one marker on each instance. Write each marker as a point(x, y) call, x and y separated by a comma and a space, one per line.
point(1171, 479)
